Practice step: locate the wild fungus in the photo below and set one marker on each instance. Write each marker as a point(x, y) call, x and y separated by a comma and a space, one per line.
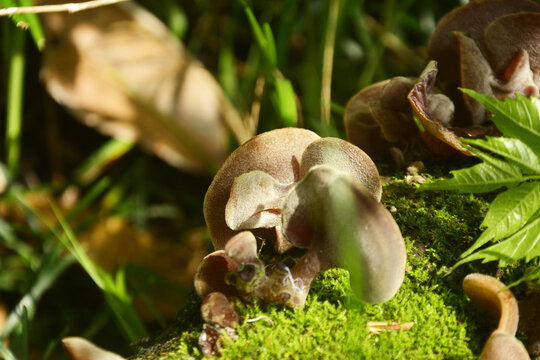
point(328, 205)
point(490, 46)
point(317, 194)
point(210, 274)
point(219, 317)
point(277, 153)
point(491, 295)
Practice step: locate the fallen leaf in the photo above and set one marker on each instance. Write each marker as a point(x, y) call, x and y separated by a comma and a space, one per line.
point(120, 70)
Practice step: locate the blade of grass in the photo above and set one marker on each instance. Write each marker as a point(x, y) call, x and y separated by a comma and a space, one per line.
point(257, 31)
point(24, 335)
point(328, 62)
point(88, 198)
point(5, 353)
point(15, 101)
point(24, 20)
point(94, 165)
point(53, 344)
point(114, 290)
point(54, 265)
point(10, 241)
point(283, 96)
point(34, 25)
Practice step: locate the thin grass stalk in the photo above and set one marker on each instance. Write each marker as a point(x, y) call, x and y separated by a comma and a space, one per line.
point(15, 101)
point(47, 275)
point(24, 335)
point(114, 291)
point(5, 353)
point(328, 62)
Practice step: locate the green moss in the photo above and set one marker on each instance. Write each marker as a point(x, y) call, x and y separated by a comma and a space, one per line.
point(437, 227)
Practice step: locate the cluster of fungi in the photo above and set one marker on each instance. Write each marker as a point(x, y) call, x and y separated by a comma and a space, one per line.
point(317, 200)
point(489, 46)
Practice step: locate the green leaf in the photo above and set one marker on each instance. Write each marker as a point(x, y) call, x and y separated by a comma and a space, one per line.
point(270, 45)
point(519, 118)
point(512, 149)
point(32, 20)
point(5, 353)
point(480, 178)
point(510, 211)
point(285, 101)
point(259, 34)
point(523, 244)
point(502, 166)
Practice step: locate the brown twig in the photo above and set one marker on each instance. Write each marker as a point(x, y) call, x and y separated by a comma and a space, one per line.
point(69, 7)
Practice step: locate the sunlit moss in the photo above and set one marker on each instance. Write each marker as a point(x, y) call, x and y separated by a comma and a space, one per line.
point(437, 227)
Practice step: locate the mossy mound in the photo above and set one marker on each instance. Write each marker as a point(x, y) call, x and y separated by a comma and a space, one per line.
point(437, 227)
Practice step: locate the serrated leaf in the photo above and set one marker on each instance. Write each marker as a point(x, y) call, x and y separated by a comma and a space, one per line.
point(508, 213)
point(512, 149)
point(517, 118)
point(523, 244)
point(504, 167)
point(480, 178)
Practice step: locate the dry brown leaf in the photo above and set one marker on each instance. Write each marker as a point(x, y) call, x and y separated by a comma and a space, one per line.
point(113, 242)
point(78, 348)
point(119, 69)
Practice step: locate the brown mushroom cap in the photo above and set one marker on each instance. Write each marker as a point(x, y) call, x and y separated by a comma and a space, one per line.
point(491, 295)
point(360, 126)
point(346, 157)
point(509, 34)
point(471, 19)
point(217, 310)
point(334, 216)
point(502, 346)
point(277, 153)
point(210, 275)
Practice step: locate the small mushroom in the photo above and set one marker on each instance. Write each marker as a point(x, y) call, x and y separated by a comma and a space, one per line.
point(297, 199)
point(485, 45)
point(336, 218)
point(219, 317)
point(472, 18)
point(211, 272)
point(277, 153)
point(491, 295)
point(217, 310)
point(256, 197)
point(344, 156)
point(490, 46)
point(378, 116)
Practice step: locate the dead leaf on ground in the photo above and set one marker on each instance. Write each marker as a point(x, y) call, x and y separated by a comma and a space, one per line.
point(120, 70)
